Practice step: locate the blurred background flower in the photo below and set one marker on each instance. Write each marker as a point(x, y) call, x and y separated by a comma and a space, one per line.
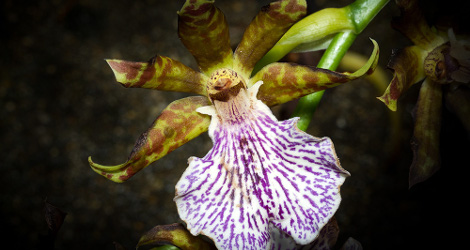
point(442, 61)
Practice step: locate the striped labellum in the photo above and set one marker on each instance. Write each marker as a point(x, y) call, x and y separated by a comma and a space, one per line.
point(260, 173)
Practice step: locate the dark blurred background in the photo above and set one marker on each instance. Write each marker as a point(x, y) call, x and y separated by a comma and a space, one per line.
point(60, 104)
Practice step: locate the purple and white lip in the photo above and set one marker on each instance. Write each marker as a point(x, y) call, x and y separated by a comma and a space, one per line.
point(261, 175)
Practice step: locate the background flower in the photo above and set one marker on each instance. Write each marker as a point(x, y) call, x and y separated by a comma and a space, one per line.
point(439, 63)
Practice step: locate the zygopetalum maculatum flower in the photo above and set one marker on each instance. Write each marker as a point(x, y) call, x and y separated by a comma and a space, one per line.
point(444, 64)
point(263, 179)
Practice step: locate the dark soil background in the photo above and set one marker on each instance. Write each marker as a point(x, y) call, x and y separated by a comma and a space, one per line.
point(60, 104)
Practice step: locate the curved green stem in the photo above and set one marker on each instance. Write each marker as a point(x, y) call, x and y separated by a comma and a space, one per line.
point(361, 12)
point(330, 60)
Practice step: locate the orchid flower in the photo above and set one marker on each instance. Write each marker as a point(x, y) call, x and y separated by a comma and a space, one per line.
point(440, 60)
point(263, 177)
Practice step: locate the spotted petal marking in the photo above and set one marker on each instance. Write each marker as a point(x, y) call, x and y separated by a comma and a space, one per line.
point(259, 172)
point(284, 82)
point(161, 73)
point(203, 29)
point(407, 64)
point(265, 30)
point(177, 124)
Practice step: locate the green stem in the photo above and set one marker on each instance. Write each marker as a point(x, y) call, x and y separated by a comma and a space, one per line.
point(361, 12)
point(330, 60)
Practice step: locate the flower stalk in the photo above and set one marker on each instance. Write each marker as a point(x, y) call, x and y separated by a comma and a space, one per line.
point(314, 33)
point(330, 60)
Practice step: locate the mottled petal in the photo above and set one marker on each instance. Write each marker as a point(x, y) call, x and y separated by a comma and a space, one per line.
point(265, 30)
point(414, 26)
point(407, 66)
point(176, 125)
point(284, 82)
point(204, 31)
point(174, 234)
point(160, 73)
point(259, 171)
point(425, 141)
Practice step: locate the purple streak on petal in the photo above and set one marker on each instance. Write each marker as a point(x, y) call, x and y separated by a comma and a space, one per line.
point(260, 173)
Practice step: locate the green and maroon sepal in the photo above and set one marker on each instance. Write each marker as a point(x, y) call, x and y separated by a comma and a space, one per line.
point(176, 125)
